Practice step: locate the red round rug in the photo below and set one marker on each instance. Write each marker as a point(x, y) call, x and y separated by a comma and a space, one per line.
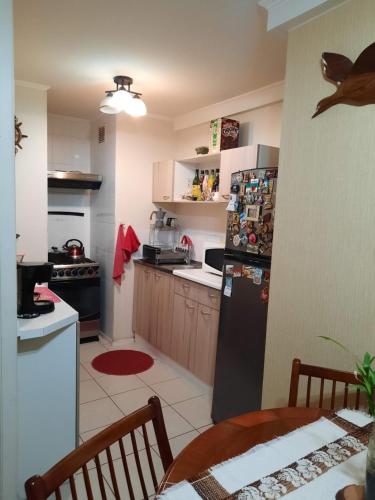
point(122, 362)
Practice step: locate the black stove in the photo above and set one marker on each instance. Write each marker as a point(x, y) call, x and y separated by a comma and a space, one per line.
point(66, 267)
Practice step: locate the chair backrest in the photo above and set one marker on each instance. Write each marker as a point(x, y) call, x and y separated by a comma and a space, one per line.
point(311, 371)
point(41, 487)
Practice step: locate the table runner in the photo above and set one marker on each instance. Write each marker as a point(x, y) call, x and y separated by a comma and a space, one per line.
point(311, 462)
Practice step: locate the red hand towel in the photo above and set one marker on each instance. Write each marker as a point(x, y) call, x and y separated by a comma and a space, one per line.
point(118, 264)
point(131, 243)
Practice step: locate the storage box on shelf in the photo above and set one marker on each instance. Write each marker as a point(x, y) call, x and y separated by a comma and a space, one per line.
point(178, 317)
point(171, 177)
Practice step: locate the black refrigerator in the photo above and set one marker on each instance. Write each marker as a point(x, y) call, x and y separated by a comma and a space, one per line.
point(245, 292)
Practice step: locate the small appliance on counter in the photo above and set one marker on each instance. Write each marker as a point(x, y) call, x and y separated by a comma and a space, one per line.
point(28, 275)
point(164, 245)
point(213, 257)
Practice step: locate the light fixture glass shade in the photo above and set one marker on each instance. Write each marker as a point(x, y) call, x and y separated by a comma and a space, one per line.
point(107, 106)
point(121, 99)
point(136, 107)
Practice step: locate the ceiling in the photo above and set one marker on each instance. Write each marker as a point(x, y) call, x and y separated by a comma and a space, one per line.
point(182, 54)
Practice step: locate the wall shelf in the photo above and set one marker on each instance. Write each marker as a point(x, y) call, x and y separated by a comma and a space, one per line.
point(202, 159)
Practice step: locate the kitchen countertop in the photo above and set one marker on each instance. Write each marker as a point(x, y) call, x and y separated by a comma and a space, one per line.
point(201, 277)
point(43, 325)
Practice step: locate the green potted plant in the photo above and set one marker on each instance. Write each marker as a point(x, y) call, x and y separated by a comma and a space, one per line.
point(364, 372)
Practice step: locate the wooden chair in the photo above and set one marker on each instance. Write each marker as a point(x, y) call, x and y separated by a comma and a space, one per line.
point(310, 371)
point(41, 487)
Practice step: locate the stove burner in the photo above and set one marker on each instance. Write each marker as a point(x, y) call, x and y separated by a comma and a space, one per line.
point(69, 268)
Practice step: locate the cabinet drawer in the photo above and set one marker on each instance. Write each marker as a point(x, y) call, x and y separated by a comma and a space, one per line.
point(186, 288)
point(209, 297)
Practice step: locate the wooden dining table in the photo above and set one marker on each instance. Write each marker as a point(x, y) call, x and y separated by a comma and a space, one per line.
point(235, 436)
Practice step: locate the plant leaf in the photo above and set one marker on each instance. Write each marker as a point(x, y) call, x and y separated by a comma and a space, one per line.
point(330, 339)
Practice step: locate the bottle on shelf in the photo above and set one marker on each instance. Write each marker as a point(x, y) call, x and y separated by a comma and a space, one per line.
point(201, 178)
point(215, 187)
point(196, 189)
point(205, 183)
point(211, 181)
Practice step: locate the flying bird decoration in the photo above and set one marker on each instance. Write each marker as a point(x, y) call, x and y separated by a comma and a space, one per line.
point(355, 82)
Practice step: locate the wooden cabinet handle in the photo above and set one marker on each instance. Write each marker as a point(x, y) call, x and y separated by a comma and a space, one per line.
point(212, 296)
point(226, 196)
point(165, 197)
point(190, 307)
point(147, 273)
point(185, 286)
point(157, 276)
point(206, 313)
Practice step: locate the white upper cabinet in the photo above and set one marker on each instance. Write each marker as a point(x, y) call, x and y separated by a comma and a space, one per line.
point(162, 181)
point(233, 160)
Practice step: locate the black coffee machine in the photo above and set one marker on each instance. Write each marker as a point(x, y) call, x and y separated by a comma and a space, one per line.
point(28, 274)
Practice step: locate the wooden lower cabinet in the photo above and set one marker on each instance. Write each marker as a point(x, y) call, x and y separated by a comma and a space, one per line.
point(179, 317)
point(202, 352)
point(183, 327)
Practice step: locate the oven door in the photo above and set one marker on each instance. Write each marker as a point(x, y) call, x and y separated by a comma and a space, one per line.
point(81, 294)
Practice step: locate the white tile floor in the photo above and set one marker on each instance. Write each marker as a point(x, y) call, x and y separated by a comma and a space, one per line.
point(107, 398)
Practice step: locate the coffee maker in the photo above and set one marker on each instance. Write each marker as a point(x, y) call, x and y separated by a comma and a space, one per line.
point(28, 274)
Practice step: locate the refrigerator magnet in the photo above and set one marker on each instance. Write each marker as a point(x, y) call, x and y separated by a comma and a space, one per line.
point(229, 270)
point(252, 238)
point(228, 286)
point(248, 272)
point(257, 278)
point(237, 272)
point(252, 248)
point(236, 218)
point(264, 294)
point(252, 212)
point(236, 240)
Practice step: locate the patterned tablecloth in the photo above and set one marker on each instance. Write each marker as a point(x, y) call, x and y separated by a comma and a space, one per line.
point(312, 462)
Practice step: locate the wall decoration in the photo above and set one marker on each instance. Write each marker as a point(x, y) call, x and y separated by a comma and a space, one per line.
point(355, 82)
point(18, 134)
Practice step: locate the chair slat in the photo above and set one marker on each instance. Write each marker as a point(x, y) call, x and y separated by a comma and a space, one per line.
point(138, 464)
point(333, 394)
point(126, 470)
point(149, 457)
point(73, 488)
point(346, 396)
point(58, 494)
point(113, 474)
point(86, 478)
point(321, 392)
point(357, 398)
point(308, 392)
point(100, 477)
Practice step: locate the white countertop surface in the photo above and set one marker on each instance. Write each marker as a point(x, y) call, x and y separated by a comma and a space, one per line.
point(62, 316)
point(200, 276)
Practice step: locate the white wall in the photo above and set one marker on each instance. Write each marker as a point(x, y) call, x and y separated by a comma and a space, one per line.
point(69, 149)
point(139, 143)
point(323, 271)
point(257, 126)
point(8, 300)
point(103, 162)
point(31, 172)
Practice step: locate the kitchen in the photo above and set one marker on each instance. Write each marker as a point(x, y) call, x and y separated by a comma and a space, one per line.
point(128, 160)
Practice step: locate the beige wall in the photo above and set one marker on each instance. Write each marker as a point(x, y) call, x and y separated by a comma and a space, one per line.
point(323, 270)
point(31, 172)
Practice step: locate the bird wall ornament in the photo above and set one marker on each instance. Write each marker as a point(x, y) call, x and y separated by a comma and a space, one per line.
point(355, 82)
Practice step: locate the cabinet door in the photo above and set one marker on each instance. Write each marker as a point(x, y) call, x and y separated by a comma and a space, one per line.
point(233, 160)
point(183, 328)
point(160, 310)
point(145, 304)
point(162, 181)
point(203, 344)
point(136, 297)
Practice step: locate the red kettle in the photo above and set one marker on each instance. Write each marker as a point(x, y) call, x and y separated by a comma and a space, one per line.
point(74, 251)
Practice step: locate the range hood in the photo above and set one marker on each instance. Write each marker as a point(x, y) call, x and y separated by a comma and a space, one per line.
point(73, 180)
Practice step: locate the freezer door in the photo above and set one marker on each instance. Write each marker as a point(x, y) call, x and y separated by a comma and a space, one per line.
point(241, 340)
point(251, 211)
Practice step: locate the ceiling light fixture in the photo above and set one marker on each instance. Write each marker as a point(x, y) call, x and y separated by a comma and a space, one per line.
point(123, 99)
